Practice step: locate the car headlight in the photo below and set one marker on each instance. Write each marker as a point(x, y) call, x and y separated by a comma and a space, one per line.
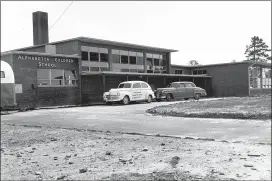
point(118, 94)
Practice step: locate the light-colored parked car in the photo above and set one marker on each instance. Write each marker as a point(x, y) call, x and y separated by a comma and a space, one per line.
point(180, 90)
point(130, 91)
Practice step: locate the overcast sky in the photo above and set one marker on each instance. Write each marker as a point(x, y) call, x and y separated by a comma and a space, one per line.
point(209, 32)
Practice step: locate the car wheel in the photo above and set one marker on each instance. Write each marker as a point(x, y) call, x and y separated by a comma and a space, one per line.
point(186, 99)
point(125, 100)
point(149, 99)
point(197, 96)
point(169, 97)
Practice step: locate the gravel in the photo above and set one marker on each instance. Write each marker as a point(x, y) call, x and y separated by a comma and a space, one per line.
point(179, 159)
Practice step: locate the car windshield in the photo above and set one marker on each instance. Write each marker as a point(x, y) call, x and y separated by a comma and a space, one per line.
point(124, 85)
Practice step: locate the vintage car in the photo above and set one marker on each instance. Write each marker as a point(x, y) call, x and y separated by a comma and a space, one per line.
point(179, 90)
point(130, 91)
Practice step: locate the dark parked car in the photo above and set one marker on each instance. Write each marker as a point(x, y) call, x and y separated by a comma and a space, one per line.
point(179, 90)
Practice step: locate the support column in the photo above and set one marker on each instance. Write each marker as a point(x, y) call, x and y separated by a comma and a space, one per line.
point(145, 70)
point(110, 59)
point(104, 82)
point(168, 61)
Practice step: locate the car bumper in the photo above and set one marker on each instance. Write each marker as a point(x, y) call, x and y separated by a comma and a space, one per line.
point(111, 99)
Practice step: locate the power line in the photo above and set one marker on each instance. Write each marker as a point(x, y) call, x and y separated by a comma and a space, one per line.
point(61, 15)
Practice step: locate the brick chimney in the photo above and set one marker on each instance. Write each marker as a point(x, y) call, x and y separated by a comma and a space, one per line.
point(40, 28)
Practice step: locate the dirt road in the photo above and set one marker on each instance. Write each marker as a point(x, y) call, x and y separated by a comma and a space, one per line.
point(49, 153)
point(134, 119)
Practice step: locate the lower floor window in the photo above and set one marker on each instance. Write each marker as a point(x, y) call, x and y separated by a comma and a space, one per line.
point(255, 83)
point(57, 77)
point(266, 83)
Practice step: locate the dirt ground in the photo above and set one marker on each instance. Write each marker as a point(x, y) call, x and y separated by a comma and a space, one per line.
point(37, 153)
point(232, 108)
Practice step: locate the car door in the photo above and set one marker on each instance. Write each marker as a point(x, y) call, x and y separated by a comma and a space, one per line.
point(145, 90)
point(175, 90)
point(136, 92)
point(181, 90)
point(189, 89)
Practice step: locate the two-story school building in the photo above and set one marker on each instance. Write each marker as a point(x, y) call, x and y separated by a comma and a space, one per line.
point(77, 71)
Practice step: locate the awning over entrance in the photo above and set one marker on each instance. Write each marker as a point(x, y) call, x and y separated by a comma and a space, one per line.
point(141, 74)
point(93, 84)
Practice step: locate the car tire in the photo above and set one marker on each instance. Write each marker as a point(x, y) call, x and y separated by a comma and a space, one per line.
point(149, 99)
point(125, 100)
point(169, 97)
point(186, 99)
point(197, 96)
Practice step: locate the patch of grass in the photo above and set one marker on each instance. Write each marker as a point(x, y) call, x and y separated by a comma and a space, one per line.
point(233, 108)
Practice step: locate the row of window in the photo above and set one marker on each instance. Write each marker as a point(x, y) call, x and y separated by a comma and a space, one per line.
point(199, 72)
point(120, 56)
point(260, 77)
point(154, 59)
point(256, 83)
point(57, 77)
point(127, 57)
point(178, 72)
point(94, 56)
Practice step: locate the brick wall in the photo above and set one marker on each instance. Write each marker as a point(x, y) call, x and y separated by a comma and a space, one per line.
point(68, 48)
point(40, 49)
point(229, 79)
point(33, 96)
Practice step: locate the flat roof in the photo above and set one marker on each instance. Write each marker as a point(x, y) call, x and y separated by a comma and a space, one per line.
point(104, 42)
point(39, 54)
point(219, 64)
point(139, 74)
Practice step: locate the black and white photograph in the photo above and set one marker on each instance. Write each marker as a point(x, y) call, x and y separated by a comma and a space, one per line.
point(136, 90)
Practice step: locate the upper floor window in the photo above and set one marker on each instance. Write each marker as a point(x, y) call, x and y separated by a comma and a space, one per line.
point(199, 72)
point(124, 57)
point(94, 54)
point(178, 71)
point(84, 55)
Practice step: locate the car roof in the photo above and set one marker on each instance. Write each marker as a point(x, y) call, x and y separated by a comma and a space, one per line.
point(134, 81)
point(183, 82)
